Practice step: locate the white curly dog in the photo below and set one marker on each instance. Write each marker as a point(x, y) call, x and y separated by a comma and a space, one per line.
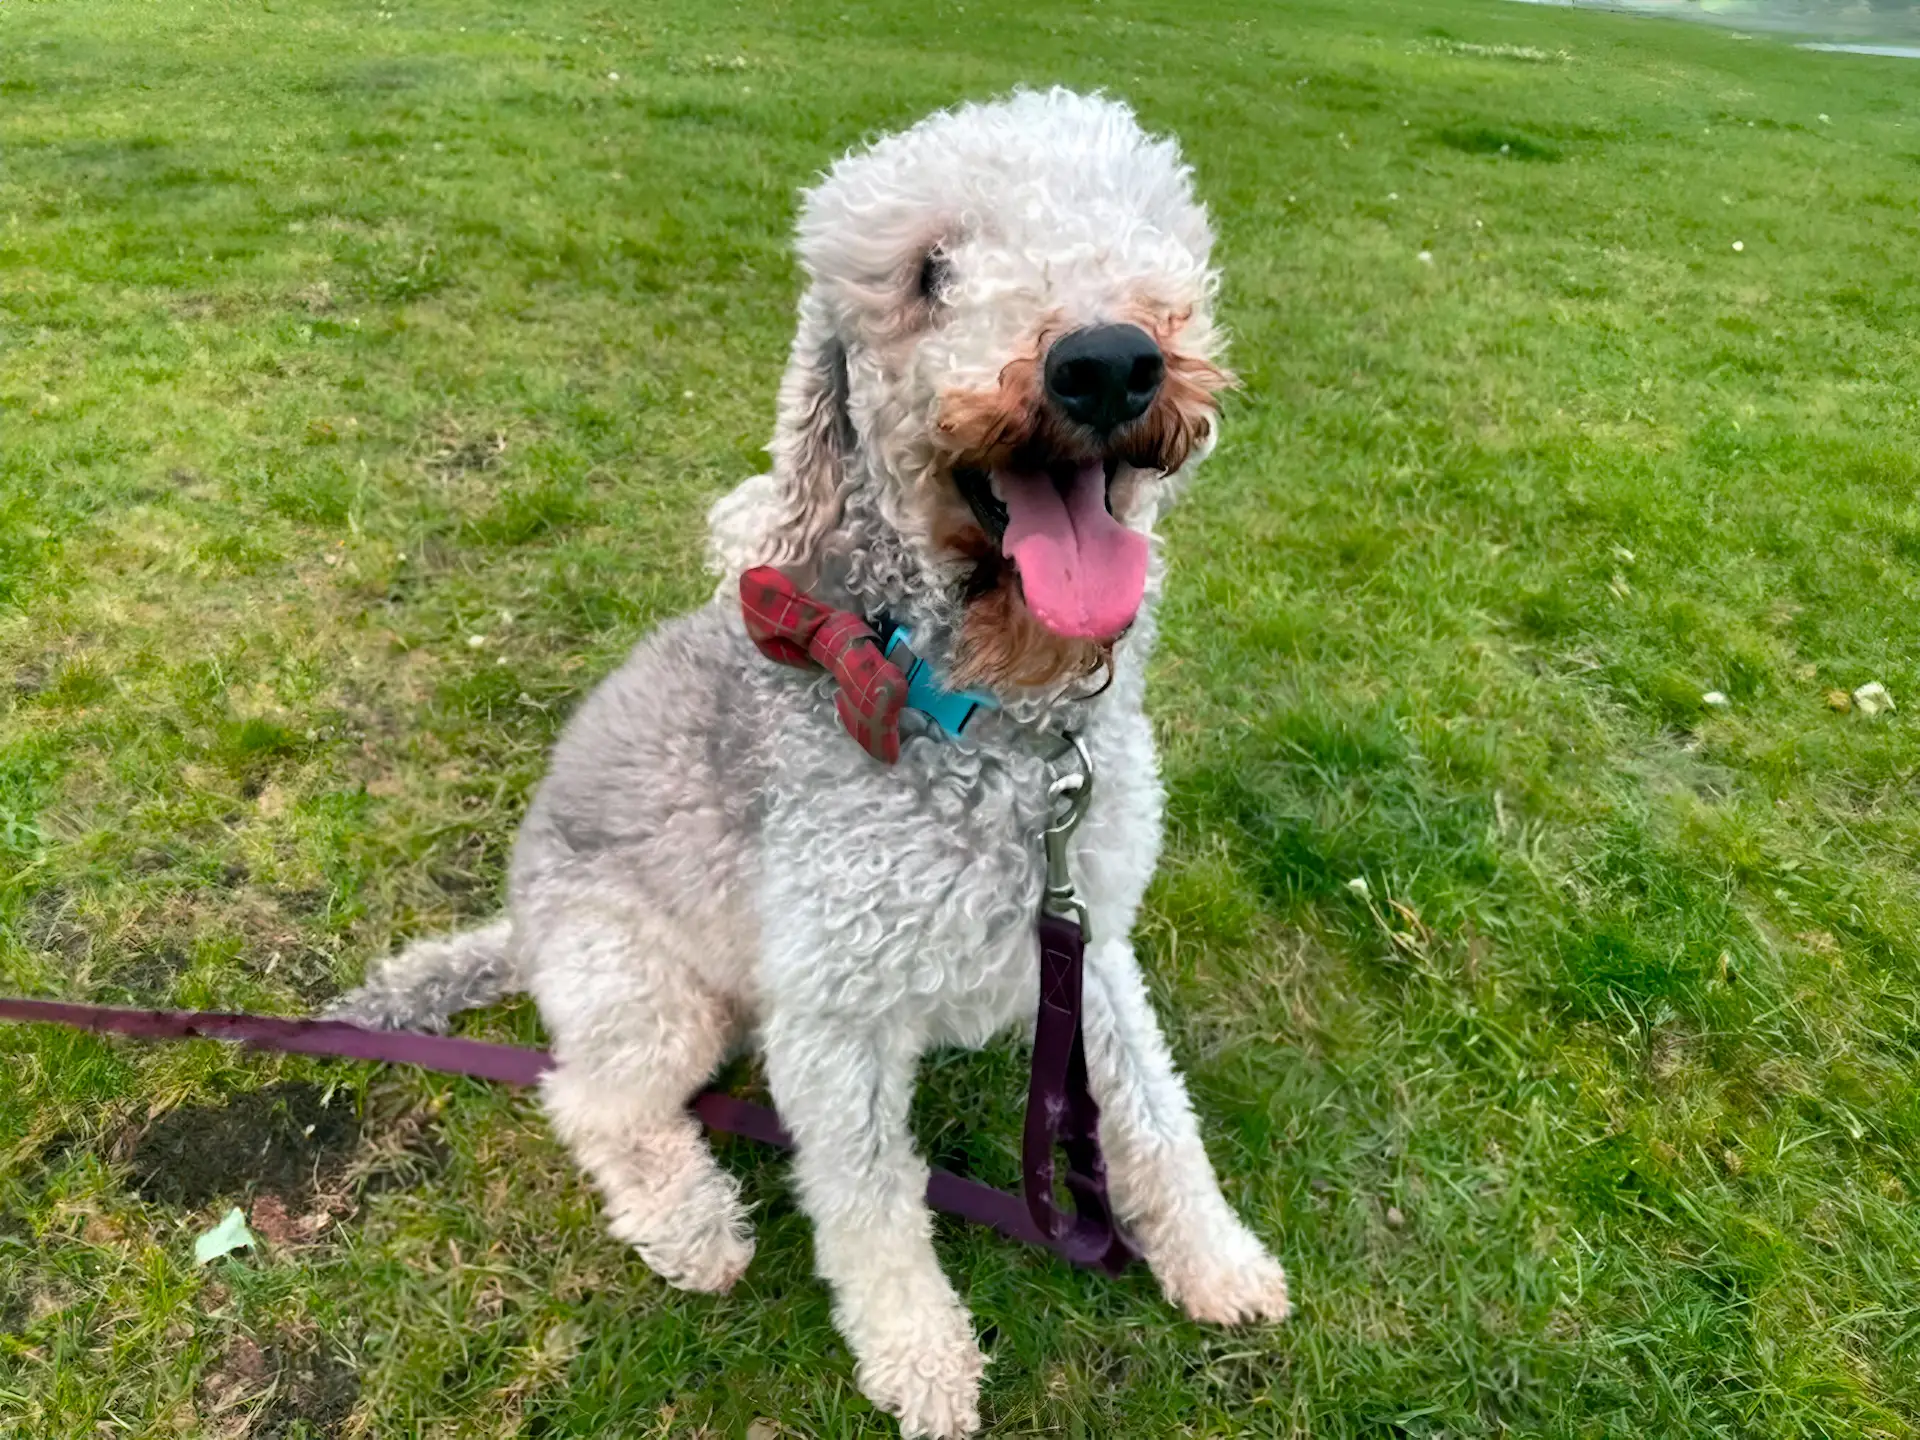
point(1005, 360)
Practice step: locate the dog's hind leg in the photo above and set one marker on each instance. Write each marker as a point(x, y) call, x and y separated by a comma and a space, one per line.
point(432, 980)
point(635, 1035)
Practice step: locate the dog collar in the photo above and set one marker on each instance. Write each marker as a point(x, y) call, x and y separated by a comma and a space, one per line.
point(949, 710)
point(876, 679)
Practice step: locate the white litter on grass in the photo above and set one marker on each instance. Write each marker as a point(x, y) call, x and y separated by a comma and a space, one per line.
point(1358, 885)
point(476, 642)
point(1738, 246)
point(1497, 52)
point(1426, 257)
point(229, 1235)
point(1871, 698)
point(1715, 699)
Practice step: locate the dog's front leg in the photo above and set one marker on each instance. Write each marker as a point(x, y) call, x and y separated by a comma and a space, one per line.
point(1164, 1188)
point(843, 1085)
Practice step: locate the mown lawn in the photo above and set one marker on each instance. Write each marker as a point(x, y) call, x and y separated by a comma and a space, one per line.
point(364, 374)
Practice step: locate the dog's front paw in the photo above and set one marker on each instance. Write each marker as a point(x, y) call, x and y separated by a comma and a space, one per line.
point(707, 1257)
point(924, 1368)
point(1224, 1279)
point(700, 1241)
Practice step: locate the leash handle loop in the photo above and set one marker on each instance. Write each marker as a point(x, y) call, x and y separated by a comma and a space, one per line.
point(1062, 1114)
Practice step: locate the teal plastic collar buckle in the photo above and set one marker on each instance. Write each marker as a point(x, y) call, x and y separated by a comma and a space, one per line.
point(950, 710)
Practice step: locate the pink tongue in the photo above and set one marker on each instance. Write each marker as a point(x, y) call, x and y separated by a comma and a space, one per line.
point(1083, 572)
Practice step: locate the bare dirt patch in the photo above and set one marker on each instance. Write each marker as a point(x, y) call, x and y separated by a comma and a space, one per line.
point(308, 1390)
point(316, 1394)
point(282, 1139)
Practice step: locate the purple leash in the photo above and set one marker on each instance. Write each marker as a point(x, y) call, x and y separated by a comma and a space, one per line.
point(509, 1064)
point(1061, 1112)
point(482, 1059)
point(1060, 1108)
point(520, 1065)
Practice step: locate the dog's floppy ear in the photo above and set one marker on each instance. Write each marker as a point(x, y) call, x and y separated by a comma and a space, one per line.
point(780, 519)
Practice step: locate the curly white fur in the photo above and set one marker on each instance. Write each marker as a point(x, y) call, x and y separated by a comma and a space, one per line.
point(711, 859)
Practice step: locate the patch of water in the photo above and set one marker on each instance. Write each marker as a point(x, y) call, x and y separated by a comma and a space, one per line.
point(1849, 28)
point(1898, 52)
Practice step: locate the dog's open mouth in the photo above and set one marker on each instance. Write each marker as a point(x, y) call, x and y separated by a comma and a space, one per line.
point(1083, 573)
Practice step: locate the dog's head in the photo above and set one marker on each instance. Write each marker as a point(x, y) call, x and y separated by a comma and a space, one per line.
point(1005, 352)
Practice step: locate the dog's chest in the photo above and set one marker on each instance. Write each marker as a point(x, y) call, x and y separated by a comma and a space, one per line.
point(979, 970)
point(975, 969)
point(912, 890)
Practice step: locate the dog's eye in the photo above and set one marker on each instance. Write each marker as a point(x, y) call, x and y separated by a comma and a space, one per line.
point(935, 270)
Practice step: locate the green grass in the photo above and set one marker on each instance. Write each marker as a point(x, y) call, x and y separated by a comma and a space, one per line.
point(364, 374)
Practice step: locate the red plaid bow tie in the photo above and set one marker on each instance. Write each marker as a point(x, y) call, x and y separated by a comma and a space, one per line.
point(796, 629)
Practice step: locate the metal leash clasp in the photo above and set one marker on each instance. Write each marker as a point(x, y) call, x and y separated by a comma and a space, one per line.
point(1070, 795)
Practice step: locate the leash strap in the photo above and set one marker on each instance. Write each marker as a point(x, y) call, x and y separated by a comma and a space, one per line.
point(510, 1064)
point(450, 1054)
point(1062, 1114)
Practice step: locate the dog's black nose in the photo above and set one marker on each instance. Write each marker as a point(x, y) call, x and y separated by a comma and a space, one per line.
point(1105, 375)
